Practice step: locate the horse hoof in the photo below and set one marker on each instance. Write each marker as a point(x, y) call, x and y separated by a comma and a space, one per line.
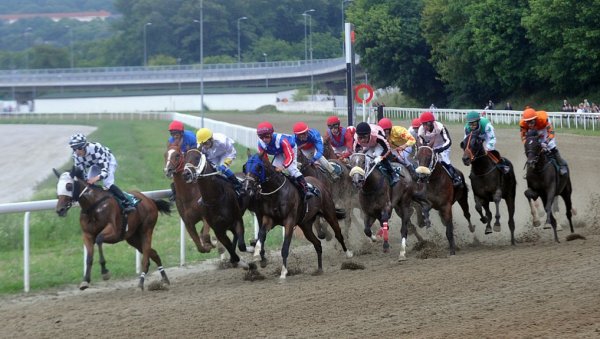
point(141, 285)
point(401, 258)
point(472, 228)
point(483, 220)
point(547, 226)
point(536, 223)
point(368, 233)
point(317, 272)
point(349, 254)
point(106, 276)
point(497, 228)
point(558, 227)
point(249, 249)
point(263, 263)
point(84, 285)
point(488, 230)
point(166, 281)
point(386, 247)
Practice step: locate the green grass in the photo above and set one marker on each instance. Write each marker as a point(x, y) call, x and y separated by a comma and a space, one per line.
point(56, 245)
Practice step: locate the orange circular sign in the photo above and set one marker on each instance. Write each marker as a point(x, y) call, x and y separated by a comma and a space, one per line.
point(357, 91)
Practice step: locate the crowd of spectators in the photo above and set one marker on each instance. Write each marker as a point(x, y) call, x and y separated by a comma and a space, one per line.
point(583, 107)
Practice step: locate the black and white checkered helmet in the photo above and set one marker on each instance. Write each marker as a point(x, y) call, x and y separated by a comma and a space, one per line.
point(77, 140)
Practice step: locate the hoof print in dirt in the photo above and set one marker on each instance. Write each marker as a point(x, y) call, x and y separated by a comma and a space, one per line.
point(427, 250)
point(253, 275)
point(350, 265)
point(157, 286)
point(575, 236)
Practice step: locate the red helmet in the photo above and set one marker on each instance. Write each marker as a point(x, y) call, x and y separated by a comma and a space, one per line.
point(427, 117)
point(176, 126)
point(416, 123)
point(264, 128)
point(332, 120)
point(385, 123)
point(300, 127)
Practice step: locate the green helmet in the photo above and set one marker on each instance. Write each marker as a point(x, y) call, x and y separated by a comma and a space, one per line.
point(473, 116)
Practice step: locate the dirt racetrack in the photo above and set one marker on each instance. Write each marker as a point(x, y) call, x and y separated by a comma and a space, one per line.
point(489, 289)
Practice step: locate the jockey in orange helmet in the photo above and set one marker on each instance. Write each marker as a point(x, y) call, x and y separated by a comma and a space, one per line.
point(340, 138)
point(310, 143)
point(434, 134)
point(283, 149)
point(539, 122)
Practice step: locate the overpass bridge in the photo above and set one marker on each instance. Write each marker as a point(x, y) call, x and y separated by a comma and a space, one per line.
point(23, 85)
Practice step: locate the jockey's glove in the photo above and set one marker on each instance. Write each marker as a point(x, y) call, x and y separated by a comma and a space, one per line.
point(377, 159)
point(544, 146)
point(227, 162)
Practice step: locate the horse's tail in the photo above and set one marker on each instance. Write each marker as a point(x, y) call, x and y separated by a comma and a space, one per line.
point(340, 213)
point(163, 206)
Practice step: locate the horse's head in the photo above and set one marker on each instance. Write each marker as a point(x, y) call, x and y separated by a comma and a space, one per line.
point(256, 172)
point(533, 148)
point(426, 160)
point(70, 187)
point(173, 161)
point(473, 148)
point(359, 165)
point(195, 165)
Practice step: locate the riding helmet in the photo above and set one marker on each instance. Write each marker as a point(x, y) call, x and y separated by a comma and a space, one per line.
point(203, 135)
point(332, 120)
point(176, 126)
point(473, 116)
point(363, 129)
point(529, 114)
point(264, 128)
point(385, 123)
point(300, 127)
point(427, 117)
point(77, 140)
point(416, 123)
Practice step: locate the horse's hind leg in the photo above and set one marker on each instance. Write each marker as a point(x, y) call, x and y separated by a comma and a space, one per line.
point(202, 245)
point(463, 201)
point(446, 216)
point(497, 199)
point(89, 258)
point(335, 225)
point(566, 195)
point(531, 197)
point(233, 257)
point(310, 236)
point(510, 204)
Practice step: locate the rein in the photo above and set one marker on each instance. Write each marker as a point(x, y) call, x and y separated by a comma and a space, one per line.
point(276, 190)
point(434, 158)
point(474, 157)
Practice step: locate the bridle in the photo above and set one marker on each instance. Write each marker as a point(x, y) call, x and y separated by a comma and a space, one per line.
point(177, 167)
point(195, 171)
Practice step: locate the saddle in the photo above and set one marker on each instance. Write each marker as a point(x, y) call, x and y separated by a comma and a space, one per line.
point(336, 168)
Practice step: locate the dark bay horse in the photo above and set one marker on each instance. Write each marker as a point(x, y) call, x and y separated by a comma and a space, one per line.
point(489, 183)
point(186, 198)
point(343, 193)
point(219, 203)
point(279, 202)
point(544, 180)
point(101, 222)
point(440, 192)
point(377, 198)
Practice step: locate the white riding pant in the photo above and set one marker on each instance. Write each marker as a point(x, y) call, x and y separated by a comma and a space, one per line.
point(293, 168)
point(310, 153)
point(94, 170)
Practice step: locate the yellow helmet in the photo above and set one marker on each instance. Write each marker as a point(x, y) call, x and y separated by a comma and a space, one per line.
point(203, 135)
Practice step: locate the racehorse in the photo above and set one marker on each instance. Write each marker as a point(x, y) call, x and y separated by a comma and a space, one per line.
point(279, 203)
point(219, 203)
point(102, 221)
point(489, 183)
point(544, 180)
point(186, 198)
point(377, 198)
point(440, 192)
point(344, 195)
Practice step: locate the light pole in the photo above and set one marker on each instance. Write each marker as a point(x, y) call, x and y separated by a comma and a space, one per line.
point(70, 44)
point(343, 23)
point(27, 39)
point(267, 73)
point(145, 50)
point(238, 31)
point(201, 22)
point(304, 14)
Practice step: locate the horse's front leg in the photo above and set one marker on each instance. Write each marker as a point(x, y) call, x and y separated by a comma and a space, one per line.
point(385, 218)
point(310, 236)
point(89, 258)
point(285, 247)
point(479, 209)
point(531, 197)
point(226, 242)
point(260, 246)
point(488, 216)
point(368, 222)
point(497, 199)
point(446, 216)
point(405, 217)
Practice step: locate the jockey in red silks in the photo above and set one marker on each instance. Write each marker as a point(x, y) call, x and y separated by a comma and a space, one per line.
point(340, 138)
point(370, 139)
point(539, 122)
point(414, 128)
point(283, 149)
point(309, 141)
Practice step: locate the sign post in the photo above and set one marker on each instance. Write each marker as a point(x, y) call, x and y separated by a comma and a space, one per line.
point(365, 98)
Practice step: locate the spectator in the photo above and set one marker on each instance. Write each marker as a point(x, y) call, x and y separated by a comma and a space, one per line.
point(490, 105)
point(508, 106)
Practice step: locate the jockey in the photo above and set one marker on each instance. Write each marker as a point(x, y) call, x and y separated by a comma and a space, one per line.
point(434, 134)
point(538, 121)
point(99, 164)
point(309, 141)
point(340, 138)
point(483, 129)
point(219, 150)
point(186, 140)
point(370, 139)
point(283, 149)
point(400, 140)
point(414, 128)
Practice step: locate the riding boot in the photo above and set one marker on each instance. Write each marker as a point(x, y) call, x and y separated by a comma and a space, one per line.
point(303, 188)
point(237, 185)
point(172, 195)
point(564, 169)
point(503, 166)
point(388, 167)
point(456, 179)
point(128, 206)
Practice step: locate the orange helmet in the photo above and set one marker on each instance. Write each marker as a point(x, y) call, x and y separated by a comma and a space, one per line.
point(332, 120)
point(529, 114)
point(176, 126)
point(385, 123)
point(300, 127)
point(427, 117)
point(416, 123)
point(264, 128)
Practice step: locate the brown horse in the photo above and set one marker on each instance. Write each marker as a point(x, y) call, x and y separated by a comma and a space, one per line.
point(101, 222)
point(440, 192)
point(280, 203)
point(544, 180)
point(219, 203)
point(186, 198)
point(343, 193)
point(377, 198)
point(489, 183)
